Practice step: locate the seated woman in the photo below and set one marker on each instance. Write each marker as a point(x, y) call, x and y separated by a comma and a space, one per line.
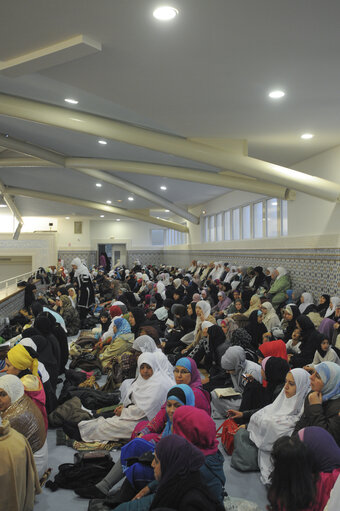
point(279, 287)
point(324, 353)
point(143, 399)
point(323, 448)
point(273, 349)
point(18, 475)
point(290, 313)
point(139, 474)
point(330, 312)
point(120, 342)
point(203, 314)
point(23, 362)
point(69, 314)
point(271, 319)
point(305, 486)
point(223, 303)
point(322, 405)
point(278, 418)
point(310, 339)
point(25, 417)
point(256, 327)
point(234, 362)
point(323, 304)
point(115, 311)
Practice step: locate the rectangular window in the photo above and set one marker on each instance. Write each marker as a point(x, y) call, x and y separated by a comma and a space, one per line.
point(271, 216)
point(157, 237)
point(284, 218)
point(236, 224)
point(258, 220)
point(78, 227)
point(246, 222)
point(206, 228)
point(227, 236)
point(219, 226)
point(212, 228)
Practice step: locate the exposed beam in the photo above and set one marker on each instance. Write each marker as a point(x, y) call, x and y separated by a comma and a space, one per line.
point(94, 205)
point(60, 160)
point(12, 206)
point(92, 124)
point(155, 169)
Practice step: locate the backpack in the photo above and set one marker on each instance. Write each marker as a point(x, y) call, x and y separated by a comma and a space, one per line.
point(88, 469)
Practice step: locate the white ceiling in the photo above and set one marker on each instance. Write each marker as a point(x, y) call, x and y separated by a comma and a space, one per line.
point(205, 74)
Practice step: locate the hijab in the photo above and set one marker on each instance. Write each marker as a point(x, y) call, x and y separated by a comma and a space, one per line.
point(184, 396)
point(307, 301)
point(197, 427)
point(329, 373)
point(149, 395)
point(193, 307)
point(205, 307)
point(322, 447)
point(20, 358)
point(326, 327)
point(274, 349)
point(224, 303)
point(281, 272)
point(279, 418)
point(270, 313)
point(122, 325)
point(322, 307)
point(232, 326)
point(196, 297)
point(115, 310)
point(241, 338)
point(234, 359)
point(216, 337)
point(189, 364)
point(255, 329)
point(254, 305)
point(275, 369)
point(144, 343)
point(13, 386)
point(81, 268)
point(335, 300)
point(306, 325)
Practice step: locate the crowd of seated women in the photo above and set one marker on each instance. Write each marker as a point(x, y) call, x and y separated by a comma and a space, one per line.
point(180, 348)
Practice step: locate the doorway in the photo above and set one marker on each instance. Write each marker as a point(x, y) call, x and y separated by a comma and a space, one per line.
point(115, 252)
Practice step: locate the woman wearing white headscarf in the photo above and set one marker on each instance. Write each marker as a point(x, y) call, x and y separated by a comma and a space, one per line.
point(142, 401)
point(85, 287)
point(306, 300)
point(335, 300)
point(145, 344)
point(279, 418)
point(270, 319)
point(203, 310)
point(279, 286)
point(231, 274)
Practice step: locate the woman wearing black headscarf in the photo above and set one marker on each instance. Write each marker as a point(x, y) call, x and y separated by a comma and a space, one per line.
point(291, 312)
point(256, 328)
point(323, 304)
point(44, 326)
point(136, 319)
point(310, 339)
point(29, 297)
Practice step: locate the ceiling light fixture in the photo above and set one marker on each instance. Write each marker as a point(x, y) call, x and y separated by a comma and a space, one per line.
point(3, 206)
point(108, 202)
point(99, 185)
point(276, 94)
point(71, 101)
point(102, 216)
point(307, 136)
point(167, 210)
point(117, 219)
point(163, 187)
point(165, 13)
point(204, 212)
point(102, 142)
point(131, 198)
point(67, 217)
point(119, 200)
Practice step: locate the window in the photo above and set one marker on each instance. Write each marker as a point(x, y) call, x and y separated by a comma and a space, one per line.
point(284, 218)
point(271, 216)
point(236, 224)
point(227, 225)
point(219, 227)
point(246, 223)
point(206, 228)
point(157, 236)
point(78, 227)
point(212, 228)
point(258, 220)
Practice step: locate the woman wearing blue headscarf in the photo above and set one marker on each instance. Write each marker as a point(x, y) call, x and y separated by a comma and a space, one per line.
point(322, 405)
point(121, 341)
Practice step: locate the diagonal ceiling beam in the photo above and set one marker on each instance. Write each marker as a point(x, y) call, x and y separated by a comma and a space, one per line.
point(60, 160)
point(9, 190)
point(12, 206)
point(92, 124)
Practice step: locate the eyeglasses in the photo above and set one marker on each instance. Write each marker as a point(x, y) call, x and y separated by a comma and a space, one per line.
point(181, 371)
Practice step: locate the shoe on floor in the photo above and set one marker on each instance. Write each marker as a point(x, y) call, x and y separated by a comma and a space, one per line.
point(91, 492)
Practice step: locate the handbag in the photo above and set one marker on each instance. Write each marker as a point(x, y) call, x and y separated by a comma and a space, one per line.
point(229, 428)
point(245, 455)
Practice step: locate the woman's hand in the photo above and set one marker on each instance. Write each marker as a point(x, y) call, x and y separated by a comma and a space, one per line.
point(142, 493)
point(118, 410)
point(336, 325)
point(241, 427)
point(315, 398)
point(234, 414)
point(183, 352)
point(249, 377)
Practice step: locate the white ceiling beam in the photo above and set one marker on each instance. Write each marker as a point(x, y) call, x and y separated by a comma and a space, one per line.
point(12, 206)
point(92, 124)
point(9, 190)
point(60, 160)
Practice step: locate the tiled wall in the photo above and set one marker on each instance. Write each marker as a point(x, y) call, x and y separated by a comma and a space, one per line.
point(88, 256)
point(14, 303)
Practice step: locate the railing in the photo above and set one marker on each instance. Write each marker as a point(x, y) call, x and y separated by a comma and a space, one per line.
point(6, 287)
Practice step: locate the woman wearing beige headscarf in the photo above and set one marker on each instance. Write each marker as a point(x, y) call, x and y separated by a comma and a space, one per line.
point(69, 314)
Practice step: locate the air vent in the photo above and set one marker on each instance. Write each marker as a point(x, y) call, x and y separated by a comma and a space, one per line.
point(78, 227)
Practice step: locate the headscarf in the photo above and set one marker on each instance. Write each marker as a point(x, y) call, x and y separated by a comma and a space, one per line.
point(139, 316)
point(307, 301)
point(191, 366)
point(329, 373)
point(335, 300)
point(326, 327)
point(224, 303)
point(144, 343)
point(241, 338)
point(275, 369)
point(234, 359)
point(20, 358)
point(177, 283)
point(205, 307)
point(322, 307)
point(270, 313)
point(206, 324)
point(196, 297)
point(182, 394)
point(282, 271)
point(255, 329)
point(122, 325)
point(178, 459)
point(115, 310)
point(322, 447)
point(232, 326)
point(161, 314)
point(149, 395)
point(216, 337)
point(274, 349)
point(197, 427)
point(254, 305)
point(13, 386)
point(81, 268)
point(306, 325)
point(43, 324)
point(279, 418)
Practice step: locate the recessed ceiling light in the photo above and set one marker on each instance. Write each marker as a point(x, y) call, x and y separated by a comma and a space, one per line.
point(163, 187)
point(167, 210)
point(165, 13)
point(117, 219)
point(72, 101)
point(276, 94)
point(99, 185)
point(102, 142)
point(307, 136)
point(204, 211)
point(131, 198)
point(102, 216)
point(3, 206)
point(119, 200)
point(108, 202)
point(67, 217)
